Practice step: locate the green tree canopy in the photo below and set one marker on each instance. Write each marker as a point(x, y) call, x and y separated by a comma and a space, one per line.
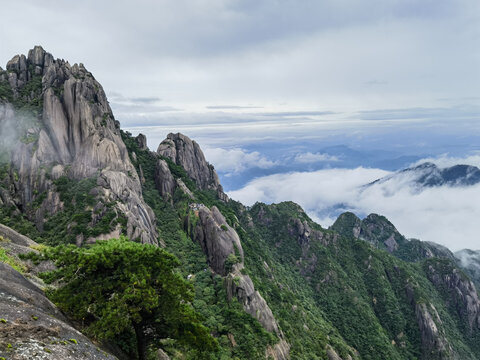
point(118, 285)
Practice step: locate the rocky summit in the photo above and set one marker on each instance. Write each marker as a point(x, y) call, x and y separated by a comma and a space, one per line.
point(260, 282)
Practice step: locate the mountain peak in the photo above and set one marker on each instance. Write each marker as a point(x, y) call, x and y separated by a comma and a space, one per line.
point(375, 229)
point(63, 126)
point(185, 152)
point(429, 174)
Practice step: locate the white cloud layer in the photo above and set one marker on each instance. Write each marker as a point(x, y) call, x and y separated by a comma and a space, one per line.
point(232, 161)
point(446, 215)
point(309, 157)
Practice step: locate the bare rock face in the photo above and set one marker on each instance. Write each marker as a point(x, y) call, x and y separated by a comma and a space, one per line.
point(241, 286)
point(217, 238)
point(434, 342)
point(33, 326)
point(462, 291)
point(142, 142)
point(187, 153)
point(75, 135)
point(164, 179)
point(280, 351)
point(220, 242)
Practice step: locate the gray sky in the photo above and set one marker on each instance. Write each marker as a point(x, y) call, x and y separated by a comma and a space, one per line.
point(172, 59)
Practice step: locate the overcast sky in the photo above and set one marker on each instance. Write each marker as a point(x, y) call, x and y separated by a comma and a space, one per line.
point(162, 59)
point(261, 84)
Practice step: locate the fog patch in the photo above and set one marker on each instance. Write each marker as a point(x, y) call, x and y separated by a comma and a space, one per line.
point(237, 160)
point(9, 132)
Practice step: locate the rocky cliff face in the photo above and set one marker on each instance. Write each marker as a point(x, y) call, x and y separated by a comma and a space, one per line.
point(223, 249)
point(72, 132)
point(187, 153)
point(217, 239)
point(459, 290)
point(434, 342)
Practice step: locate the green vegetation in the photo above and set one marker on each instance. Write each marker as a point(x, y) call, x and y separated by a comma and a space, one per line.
point(6, 258)
point(325, 289)
point(77, 216)
point(6, 93)
point(29, 101)
point(226, 319)
point(118, 286)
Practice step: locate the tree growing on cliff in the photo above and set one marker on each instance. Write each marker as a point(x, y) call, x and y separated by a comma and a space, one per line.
point(119, 285)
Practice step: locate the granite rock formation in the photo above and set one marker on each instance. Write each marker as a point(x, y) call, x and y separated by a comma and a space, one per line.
point(72, 132)
point(187, 153)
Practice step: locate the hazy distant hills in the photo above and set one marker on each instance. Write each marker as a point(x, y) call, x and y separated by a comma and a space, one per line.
point(430, 175)
point(310, 157)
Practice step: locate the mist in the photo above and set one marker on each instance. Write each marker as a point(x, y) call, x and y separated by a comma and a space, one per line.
point(445, 215)
point(9, 132)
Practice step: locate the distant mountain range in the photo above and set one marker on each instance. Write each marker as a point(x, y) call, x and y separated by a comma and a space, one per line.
point(430, 175)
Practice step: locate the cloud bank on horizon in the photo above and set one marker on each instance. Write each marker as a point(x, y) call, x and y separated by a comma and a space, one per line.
point(445, 215)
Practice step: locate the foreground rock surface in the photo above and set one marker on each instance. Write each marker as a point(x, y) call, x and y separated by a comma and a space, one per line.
point(31, 327)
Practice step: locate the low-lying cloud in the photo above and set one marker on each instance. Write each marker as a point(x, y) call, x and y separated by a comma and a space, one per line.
point(309, 157)
point(233, 161)
point(446, 215)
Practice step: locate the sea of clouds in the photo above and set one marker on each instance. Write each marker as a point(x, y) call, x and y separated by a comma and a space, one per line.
point(446, 215)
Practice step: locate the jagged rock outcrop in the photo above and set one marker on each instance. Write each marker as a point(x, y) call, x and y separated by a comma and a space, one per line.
point(304, 233)
point(187, 153)
point(164, 179)
point(73, 134)
point(378, 230)
point(220, 243)
point(381, 233)
point(375, 229)
point(241, 287)
point(348, 224)
point(217, 239)
point(142, 141)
